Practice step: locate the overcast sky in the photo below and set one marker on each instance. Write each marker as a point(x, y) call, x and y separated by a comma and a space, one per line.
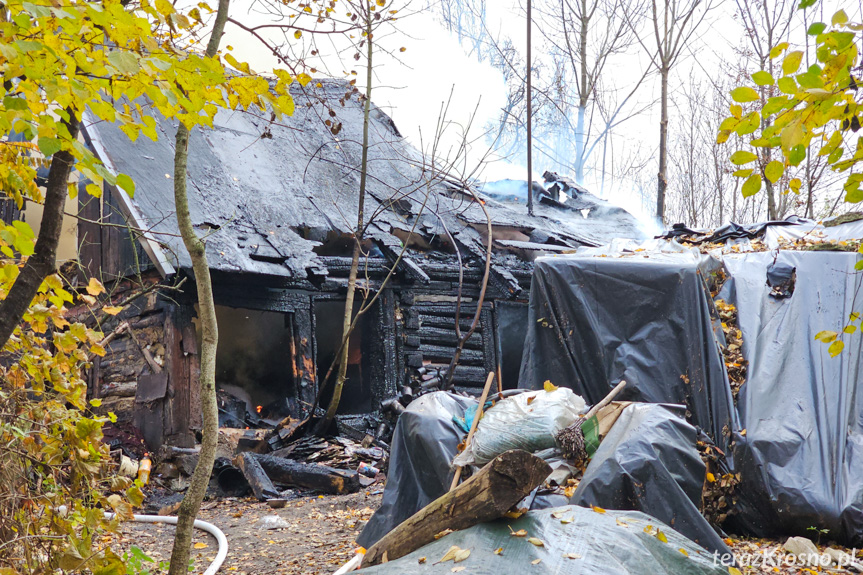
point(413, 86)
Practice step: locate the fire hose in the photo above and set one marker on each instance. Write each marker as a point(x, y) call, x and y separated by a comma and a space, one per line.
point(171, 520)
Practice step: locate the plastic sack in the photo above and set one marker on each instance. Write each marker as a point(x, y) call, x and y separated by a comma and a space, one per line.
point(526, 421)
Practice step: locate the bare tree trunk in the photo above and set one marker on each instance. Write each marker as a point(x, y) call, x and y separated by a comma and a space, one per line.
point(663, 149)
point(582, 104)
point(210, 335)
point(358, 238)
point(43, 261)
point(529, 96)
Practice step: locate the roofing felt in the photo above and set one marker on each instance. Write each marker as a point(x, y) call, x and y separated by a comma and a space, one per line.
point(266, 194)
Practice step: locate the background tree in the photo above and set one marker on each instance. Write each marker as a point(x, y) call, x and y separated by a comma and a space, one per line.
point(672, 25)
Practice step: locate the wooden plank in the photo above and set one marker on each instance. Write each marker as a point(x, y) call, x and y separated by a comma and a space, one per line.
point(305, 368)
point(486, 496)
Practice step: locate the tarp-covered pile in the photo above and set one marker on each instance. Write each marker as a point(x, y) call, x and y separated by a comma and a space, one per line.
point(796, 435)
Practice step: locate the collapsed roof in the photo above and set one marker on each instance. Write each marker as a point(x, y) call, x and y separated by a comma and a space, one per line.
point(270, 196)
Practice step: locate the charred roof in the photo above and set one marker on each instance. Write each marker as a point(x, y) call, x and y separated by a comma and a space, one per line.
point(271, 196)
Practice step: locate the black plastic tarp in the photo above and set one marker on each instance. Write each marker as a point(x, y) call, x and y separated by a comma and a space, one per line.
point(424, 443)
point(576, 541)
point(648, 462)
point(801, 458)
point(647, 318)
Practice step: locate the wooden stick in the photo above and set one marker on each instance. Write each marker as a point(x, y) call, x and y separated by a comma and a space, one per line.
point(611, 395)
point(473, 425)
point(485, 496)
point(499, 379)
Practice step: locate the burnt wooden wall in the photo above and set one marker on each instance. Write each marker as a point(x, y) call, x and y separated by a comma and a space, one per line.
point(109, 251)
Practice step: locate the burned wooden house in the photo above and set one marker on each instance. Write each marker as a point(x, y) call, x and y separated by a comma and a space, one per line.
point(277, 203)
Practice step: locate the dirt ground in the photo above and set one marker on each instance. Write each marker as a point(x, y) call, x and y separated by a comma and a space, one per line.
point(319, 536)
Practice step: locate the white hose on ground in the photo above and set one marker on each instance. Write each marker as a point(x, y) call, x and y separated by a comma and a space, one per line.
point(171, 520)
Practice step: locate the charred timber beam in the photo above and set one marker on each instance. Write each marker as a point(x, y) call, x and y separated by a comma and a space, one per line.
point(486, 496)
point(446, 309)
point(310, 476)
point(447, 337)
point(439, 322)
point(468, 356)
point(258, 479)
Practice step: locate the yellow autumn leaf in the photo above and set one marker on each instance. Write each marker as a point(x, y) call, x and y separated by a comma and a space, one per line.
point(661, 536)
point(571, 556)
point(200, 545)
point(498, 551)
point(685, 553)
point(112, 309)
point(95, 287)
point(548, 386)
point(597, 509)
point(536, 541)
point(710, 477)
point(536, 562)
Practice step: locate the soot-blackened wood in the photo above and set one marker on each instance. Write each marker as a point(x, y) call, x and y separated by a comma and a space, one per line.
point(258, 479)
point(310, 476)
point(303, 345)
point(502, 483)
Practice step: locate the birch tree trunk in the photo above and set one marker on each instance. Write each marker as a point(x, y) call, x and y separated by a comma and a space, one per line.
point(210, 335)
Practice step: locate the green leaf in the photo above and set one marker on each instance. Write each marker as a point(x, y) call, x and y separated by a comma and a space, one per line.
point(774, 170)
point(778, 49)
point(806, 4)
point(797, 154)
point(126, 183)
point(751, 186)
point(744, 94)
point(49, 146)
point(741, 157)
point(840, 18)
point(792, 62)
point(816, 28)
point(762, 78)
point(836, 348)
point(742, 173)
point(850, 329)
point(854, 196)
point(826, 336)
point(124, 62)
point(787, 85)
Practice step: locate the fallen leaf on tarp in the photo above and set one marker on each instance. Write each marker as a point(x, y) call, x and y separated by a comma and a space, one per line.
point(597, 509)
point(514, 514)
point(421, 560)
point(443, 533)
point(661, 536)
point(621, 522)
point(566, 520)
point(557, 514)
point(548, 386)
point(682, 550)
point(498, 551)
point(535, 541)
point(461, 555)
point(457, 569)
point(450, 554)
point(519, 533)
point(535, 562)
point(571, 556)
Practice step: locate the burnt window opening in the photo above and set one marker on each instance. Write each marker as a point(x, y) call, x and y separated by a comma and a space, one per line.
point(254, 375)
point(357, 396)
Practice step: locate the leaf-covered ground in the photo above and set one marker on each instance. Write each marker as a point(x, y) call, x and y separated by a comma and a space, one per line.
point(318, 539)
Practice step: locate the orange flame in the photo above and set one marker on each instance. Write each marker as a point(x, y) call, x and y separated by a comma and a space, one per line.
point(259, 408)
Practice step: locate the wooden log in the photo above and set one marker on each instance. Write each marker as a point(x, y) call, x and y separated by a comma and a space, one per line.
point(308, 475)
point(502, 483)
point(258, 479)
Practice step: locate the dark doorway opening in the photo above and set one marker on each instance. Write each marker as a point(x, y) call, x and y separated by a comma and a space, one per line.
point(357, 392)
